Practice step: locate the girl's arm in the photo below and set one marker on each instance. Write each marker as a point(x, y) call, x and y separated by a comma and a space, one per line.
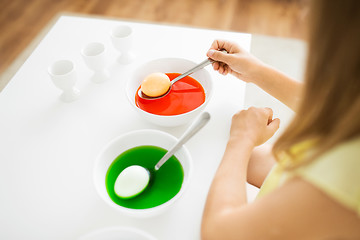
point(295, 210)
point(260, 164)
point(248, 68)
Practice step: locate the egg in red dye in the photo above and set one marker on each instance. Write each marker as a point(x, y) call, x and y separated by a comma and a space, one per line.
point(185, 95)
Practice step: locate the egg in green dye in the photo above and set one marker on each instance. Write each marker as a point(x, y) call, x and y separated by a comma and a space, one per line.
point(164, 183)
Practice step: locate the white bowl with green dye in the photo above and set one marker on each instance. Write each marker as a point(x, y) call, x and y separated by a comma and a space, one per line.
point(128, 141)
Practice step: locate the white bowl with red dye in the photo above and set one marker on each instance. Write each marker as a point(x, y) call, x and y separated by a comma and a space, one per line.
point(169, 65)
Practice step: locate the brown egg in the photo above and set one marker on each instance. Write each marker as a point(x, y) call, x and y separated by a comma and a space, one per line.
point(155, 84)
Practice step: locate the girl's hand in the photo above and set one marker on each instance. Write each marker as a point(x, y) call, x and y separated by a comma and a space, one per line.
point(254, 125)
point(237, 61)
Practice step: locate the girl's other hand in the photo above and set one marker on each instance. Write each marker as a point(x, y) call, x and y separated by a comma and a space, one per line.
point(255, 125)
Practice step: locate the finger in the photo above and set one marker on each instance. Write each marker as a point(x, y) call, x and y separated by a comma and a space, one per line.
point(218, 44)
point(222, 67)
point(221, 70)
point(219, 56)
point(229, 46)
point(274, 125)
point(215, 44)
point(269, 113)
point(216, 66)
point(226, 69)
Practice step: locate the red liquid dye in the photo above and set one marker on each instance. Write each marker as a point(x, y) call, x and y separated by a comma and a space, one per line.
point(185, 95)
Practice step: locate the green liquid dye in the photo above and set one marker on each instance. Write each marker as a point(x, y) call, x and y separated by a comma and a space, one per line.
point(164, 184)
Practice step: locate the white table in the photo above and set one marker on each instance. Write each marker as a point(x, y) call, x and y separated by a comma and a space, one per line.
point(48, 148)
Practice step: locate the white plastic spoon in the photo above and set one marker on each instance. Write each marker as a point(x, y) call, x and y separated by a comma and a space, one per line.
point(134, 179)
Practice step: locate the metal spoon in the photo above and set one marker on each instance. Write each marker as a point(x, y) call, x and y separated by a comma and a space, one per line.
point(192, 70)
point(138, 177)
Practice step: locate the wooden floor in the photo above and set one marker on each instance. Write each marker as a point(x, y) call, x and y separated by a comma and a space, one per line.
point(22, 20)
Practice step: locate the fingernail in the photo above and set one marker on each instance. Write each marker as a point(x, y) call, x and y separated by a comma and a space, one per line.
point(211, 52)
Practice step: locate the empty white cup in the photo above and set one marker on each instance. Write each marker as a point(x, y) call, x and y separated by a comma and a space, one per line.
point(94, 57)
point(122, 39)
point(63, 75)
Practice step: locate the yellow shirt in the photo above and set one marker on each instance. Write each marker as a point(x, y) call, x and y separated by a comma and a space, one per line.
point(336, 172)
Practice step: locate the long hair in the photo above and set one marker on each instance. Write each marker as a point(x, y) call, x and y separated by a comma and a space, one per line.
point(329, 112)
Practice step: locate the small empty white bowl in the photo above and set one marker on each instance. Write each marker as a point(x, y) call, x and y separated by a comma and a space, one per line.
point(169, 65)
point(118, 233)
point(134, 139)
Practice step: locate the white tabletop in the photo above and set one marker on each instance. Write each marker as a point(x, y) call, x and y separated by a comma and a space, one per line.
point(48, 148)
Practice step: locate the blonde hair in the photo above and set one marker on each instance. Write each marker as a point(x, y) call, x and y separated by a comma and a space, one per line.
point(330, 107)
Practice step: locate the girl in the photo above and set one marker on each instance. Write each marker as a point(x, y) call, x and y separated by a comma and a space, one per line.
point(310, 181)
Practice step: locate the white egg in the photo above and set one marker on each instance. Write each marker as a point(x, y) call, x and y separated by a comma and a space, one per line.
point(155, 84)
point(131, 181)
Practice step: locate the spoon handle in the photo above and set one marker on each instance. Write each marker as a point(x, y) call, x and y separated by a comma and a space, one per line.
point(194, 128)
point(194, 69)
